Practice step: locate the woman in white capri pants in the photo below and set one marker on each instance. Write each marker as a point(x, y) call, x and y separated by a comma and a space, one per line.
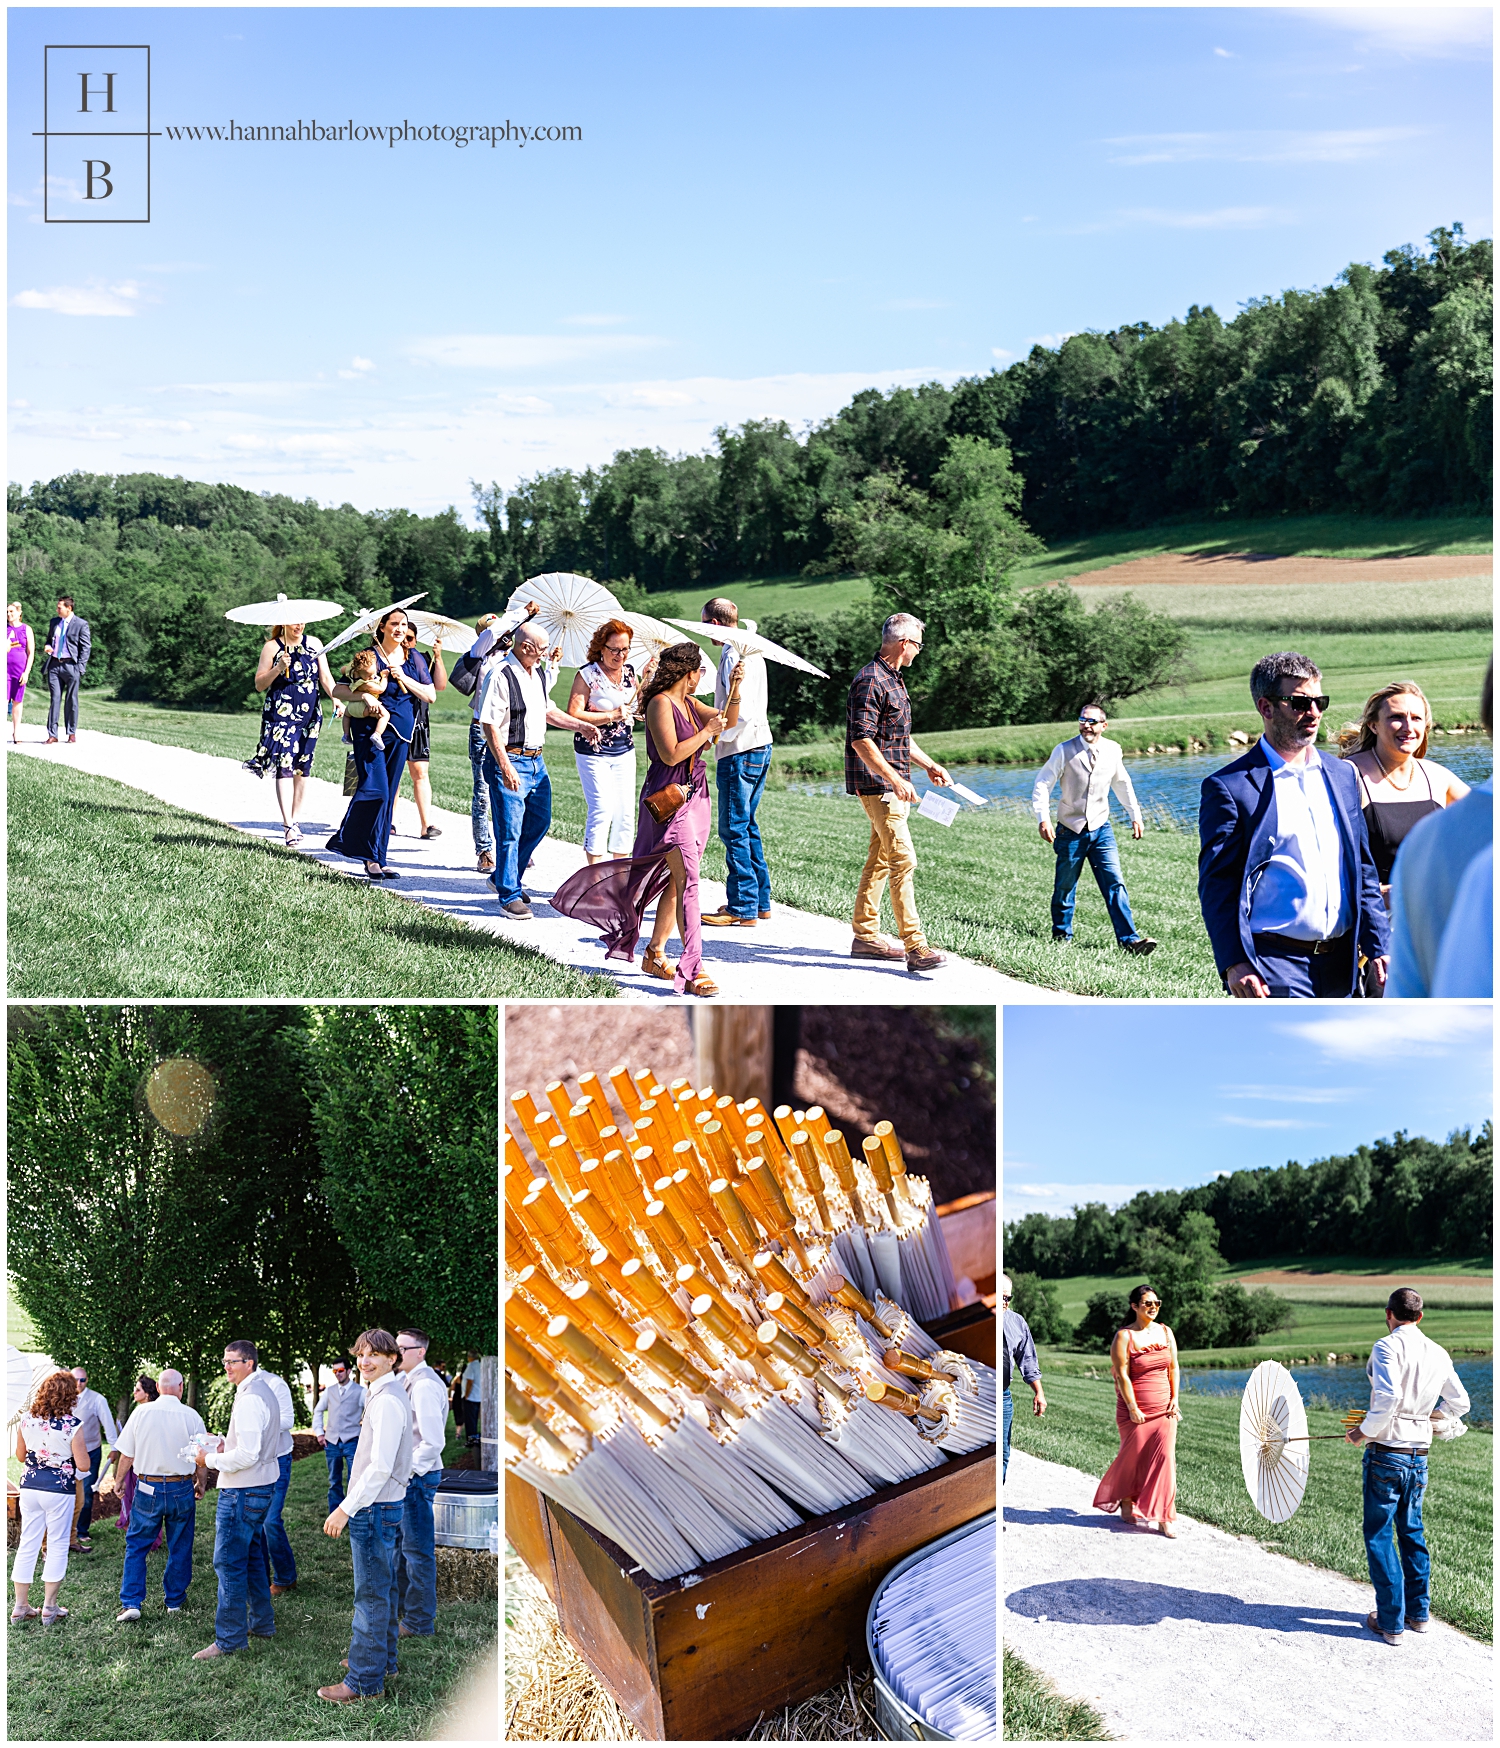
point(50, 1448)
point(604, 693)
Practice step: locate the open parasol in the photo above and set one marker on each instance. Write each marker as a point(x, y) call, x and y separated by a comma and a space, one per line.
point(281, 611)
point(1273, 1441)
point(368, 620)
point(649, 637)
point(458, 638)
point(17, 1381)
point(746, 642)
point(572, 610)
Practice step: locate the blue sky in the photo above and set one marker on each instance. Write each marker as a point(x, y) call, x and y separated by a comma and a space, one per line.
point(1100, 1102)
point(768, 210)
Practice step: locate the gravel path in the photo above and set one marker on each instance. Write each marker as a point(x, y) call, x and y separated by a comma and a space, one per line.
point(795, 954)
point(1213, 1638)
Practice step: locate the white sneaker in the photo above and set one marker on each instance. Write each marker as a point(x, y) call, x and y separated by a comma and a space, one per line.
point(128, 1614)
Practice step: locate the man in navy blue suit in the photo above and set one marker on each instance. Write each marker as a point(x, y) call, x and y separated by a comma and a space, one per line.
point(1286, 881)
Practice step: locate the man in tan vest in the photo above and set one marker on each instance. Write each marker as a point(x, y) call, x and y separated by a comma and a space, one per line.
point(371, 1511)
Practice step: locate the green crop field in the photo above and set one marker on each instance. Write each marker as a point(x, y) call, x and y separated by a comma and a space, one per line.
point(1078, 1429)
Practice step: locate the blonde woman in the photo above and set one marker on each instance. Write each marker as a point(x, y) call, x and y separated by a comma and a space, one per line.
point(1398, 783)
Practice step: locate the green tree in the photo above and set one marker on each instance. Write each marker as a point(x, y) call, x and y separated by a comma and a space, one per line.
point(1107, 1313)
point(1040, 1303)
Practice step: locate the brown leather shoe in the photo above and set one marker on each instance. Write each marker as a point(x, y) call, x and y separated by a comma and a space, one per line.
point(925, 959)
point(341, 1695)
point(764, 915)
point(281, 1589)
point(726, 919)
point(209, 1651)
point(404, 1632)
point(51, 741)
point(876, 949)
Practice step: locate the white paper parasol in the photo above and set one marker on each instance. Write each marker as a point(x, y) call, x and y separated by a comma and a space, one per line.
point(746, 642)
point(284, 612)
point(458, 638)
point(17, 1381)
point(650, 637)
point(1273, 1441)
point(368, 620)
point(572, 610)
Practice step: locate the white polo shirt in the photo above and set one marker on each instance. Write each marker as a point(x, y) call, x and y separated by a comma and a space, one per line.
point(155, 1434)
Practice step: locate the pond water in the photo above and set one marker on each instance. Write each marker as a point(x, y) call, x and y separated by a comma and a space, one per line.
point(1341, 1387)
point(1166, 785)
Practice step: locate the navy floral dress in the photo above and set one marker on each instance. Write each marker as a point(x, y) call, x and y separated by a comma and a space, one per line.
point(49, 1469)
point(291, 716)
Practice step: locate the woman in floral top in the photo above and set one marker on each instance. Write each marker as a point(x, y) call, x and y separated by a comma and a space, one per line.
point(49, 1445)
point(292, 667)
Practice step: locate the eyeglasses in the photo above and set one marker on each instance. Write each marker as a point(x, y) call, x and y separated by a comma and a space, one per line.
point(1301, 702)
point(915, 642)
point(1092, 721)
point(617, 648)
point(407, 1348)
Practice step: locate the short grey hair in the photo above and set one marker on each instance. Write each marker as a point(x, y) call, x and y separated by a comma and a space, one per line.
point(1005, 1282)
point(901, 625)
point(533, 633)
point(1270, 673)
point(170, 1381)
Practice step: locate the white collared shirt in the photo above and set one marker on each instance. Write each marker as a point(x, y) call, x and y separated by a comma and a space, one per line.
point(339, 1409)
point(1087, 774)
point(429, 1418)
point(1409, 1376)
point(387, 1410)
point(753, 729)
point(283, 1397)
point(251, 1417)
point(1299, 890)
point(95, 1418)
point(495, 709)
point(154, 1435)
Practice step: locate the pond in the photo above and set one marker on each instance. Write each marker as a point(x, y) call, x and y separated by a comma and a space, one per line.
point(1341, 1387)
point(1166, 785)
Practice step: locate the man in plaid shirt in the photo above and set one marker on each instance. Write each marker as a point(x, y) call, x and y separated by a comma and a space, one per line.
point(878, 755)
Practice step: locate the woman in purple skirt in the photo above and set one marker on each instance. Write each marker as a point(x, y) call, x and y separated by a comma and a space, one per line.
point(19, 654)
point(663, 866)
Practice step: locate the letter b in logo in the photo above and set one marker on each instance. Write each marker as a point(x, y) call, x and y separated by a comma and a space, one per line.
point(97, 133)
point(99, 185)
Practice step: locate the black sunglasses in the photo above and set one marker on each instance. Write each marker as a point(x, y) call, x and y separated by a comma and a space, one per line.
point(1301, 702)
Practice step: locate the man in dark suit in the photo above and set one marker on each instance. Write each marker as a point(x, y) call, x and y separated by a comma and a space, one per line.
point(67, 651)
point(1286, 881)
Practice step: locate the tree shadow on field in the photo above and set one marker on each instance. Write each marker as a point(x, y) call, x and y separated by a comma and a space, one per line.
point(1125, 1602)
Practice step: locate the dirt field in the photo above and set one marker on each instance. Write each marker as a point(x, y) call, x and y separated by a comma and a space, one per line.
point(1254, 567)
point(1328, 1278)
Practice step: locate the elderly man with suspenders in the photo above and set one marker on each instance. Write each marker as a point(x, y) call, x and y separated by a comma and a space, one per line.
point(416, 1548)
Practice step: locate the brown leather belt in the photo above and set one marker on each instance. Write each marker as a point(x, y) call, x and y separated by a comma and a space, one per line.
point(1398, 1450)
point(140, 1477)
point(527, 752)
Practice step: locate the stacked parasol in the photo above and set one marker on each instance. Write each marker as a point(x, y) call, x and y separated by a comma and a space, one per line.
point(711, 1316)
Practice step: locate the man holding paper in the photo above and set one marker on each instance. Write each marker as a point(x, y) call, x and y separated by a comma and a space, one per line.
point(1088, 767)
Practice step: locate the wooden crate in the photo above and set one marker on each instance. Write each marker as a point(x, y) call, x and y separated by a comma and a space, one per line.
point(766, 1627)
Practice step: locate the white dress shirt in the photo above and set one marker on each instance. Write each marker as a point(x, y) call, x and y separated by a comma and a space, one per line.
point(283, 1397)
point(343, 1405)
point(93, 1412)
point(1087, 774)
point(753, 728)
point(252, 1441)
point(387, 1411)
point(154, 1435)
point(495, 708)
point(1409, 1376)
point(1299, 891)
point(474, 1374)
point(429, 1416)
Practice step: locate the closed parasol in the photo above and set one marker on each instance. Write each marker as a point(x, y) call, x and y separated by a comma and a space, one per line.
point(746, 641)
point(281, 611)
point(368, 620)
point(572, 610)
point(458, 638)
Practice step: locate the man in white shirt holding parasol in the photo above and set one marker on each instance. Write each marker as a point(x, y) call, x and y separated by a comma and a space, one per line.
point(1410, 1376)
point(742, 760)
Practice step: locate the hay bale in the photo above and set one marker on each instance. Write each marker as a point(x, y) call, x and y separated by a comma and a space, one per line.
point(467, 1575)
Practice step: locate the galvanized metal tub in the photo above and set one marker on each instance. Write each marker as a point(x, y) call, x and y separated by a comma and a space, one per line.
point(463, 1512)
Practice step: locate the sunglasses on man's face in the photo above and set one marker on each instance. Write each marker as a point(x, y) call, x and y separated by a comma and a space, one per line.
point(1302, 702)
point(1091, 721)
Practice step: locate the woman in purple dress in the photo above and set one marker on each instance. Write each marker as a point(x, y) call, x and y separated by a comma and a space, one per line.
point(19, 654)
point(663, 866)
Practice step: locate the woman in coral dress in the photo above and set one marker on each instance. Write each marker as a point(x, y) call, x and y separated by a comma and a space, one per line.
point(1141, 1483)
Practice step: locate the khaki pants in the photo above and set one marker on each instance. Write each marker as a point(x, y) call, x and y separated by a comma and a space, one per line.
point(891, 858)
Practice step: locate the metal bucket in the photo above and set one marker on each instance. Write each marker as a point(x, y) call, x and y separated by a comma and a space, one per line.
point(898, 1722)
point(462, 1520)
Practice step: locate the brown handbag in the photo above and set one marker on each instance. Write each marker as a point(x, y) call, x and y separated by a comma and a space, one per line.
point(666, 803)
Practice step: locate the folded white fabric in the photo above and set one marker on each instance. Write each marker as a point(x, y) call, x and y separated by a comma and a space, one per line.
point(934, 1636)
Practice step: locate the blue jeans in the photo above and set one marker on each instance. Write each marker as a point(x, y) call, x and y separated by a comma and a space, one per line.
point(1100, 851)
point(336, 1455)
point(281, 1561)
point(1010, 1414)
point(741, 777)
point(169, 1505)
point(416, 1556)
point(240, 1562)
point(522, 817)
point(479, 806)
point(373, 1534)
point(1399, 1565)
point(86, 1516)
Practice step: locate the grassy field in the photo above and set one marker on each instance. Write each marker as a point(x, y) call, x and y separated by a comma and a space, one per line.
point(1036, 1712)
point(1079, 1430)
point(87, 1679)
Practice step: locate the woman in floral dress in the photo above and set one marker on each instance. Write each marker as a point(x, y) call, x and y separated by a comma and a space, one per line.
point(50, 1448)
point(292, 667)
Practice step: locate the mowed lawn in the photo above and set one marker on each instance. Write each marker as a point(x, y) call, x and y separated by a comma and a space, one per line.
point(1078, 1429)
point(87, 1679)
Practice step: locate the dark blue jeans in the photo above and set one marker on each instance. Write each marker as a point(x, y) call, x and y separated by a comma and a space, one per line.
point(1304, 976)
point(1102, 853)
point(1010, 1414)
point(240, 1562)
point(479, 804)
point(158, 1505)
point(521, 816)
point(416, 1556)
point(741, 777)
point(337, 1455)
point(373, 1534)
point(281, 1561)
point(1395, 1545)
point(86, 1516)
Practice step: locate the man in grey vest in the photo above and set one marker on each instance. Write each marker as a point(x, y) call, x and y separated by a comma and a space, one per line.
point(248, 1473)
point(416, 1548)
point(336, 1424)
point(372, 1514)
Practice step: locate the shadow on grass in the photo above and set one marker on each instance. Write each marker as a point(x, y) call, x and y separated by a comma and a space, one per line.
point(1126, 1602)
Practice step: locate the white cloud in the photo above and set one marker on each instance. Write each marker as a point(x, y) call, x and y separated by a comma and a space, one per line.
point(1270, 1122)
point(1444, 32)
point(522, 404)
point(1050, 340)
point(358, 369)
point(1293, 1095)
point(1224, 55)
point(523, 351)
point(1000, 353)
point(1270, 146)
point(1391, 1032)
point(82, 300)
point(1024, 1196)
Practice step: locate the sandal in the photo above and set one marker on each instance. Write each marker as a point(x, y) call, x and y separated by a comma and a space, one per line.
point(53, 1614)
point(293, 836)
point(654, 965)
point(24, 1614)
point(702, 984)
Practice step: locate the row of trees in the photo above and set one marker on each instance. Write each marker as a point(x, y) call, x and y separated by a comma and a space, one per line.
point(338, 1173)
point(1405, 1196)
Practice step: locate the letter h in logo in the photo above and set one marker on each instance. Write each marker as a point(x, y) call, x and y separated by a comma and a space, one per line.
point(96, 134)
